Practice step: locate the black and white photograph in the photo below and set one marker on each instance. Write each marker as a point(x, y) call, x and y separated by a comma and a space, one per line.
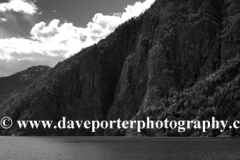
point(119, 79)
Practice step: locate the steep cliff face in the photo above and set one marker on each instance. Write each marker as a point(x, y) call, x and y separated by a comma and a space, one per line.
point(133, 72)
point(81, 87)
point(176, 46)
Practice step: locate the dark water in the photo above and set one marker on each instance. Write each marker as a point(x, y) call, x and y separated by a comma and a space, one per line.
point(114, 148)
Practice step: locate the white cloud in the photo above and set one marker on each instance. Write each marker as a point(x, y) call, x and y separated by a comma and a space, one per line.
point(17, 54)
point(54, 42)
point(103, 25)
point(19, 6)
point(64, 36)
point(3, 20)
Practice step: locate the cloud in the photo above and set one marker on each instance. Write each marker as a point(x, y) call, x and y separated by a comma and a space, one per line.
point(16, 65)
point(17, 54)
point(65, 36)
point(103, 25)
point(3, 20)
point(22, 6)
point(50, 43)
point(74, 38)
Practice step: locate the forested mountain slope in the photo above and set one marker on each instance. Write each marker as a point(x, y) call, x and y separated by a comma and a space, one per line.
point(13, 84)
point(178, 60)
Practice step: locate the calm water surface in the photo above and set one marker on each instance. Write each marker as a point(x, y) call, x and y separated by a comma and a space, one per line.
point(114, 148)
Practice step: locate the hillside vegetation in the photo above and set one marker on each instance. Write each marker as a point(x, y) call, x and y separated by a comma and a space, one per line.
point(178, 60)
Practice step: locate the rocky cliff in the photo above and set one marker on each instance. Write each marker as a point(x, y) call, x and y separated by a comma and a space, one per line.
point(176, 60)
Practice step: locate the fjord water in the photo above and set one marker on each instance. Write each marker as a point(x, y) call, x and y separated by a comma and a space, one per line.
point(118, 148)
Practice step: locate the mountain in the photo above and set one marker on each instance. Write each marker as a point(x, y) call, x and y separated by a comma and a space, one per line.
point(13, 84)
point(178, 60)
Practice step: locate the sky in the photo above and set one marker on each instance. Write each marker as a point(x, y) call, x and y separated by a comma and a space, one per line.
point(44, 32)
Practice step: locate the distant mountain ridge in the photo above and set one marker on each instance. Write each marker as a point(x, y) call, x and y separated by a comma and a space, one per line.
point(13, 84)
